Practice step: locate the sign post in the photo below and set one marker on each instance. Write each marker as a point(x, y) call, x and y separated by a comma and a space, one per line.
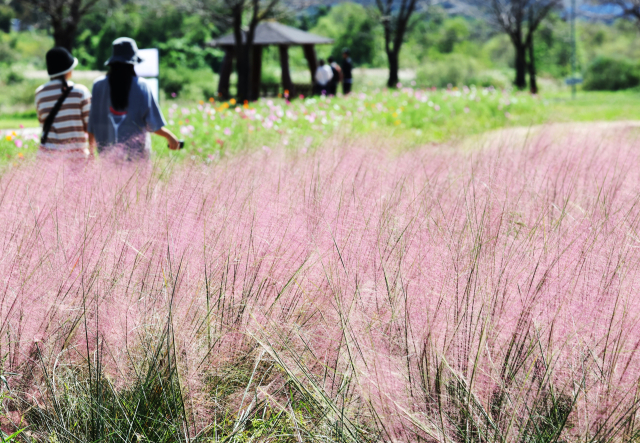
point(149, 69)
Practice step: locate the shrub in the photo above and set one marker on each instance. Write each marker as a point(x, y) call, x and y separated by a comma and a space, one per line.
point(6, 15)
point(13, 77)
point(459, 70)
point(7, 55)
point(196, 84)
point(611, 74)
point(454, 69)
point(494, 78)
point(179, 53)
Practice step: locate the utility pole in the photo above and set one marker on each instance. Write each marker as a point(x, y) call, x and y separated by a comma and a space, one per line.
point(573, 49)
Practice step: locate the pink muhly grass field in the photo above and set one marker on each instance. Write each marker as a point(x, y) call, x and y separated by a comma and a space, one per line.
point(430, 295)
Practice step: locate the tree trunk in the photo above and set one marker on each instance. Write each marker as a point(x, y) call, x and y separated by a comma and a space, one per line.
point(64, 36)
point(225, 74)
point(533, 83)
point(243, 66)
point(243, 56)
point(287, 84)
point(521, 66)
point(65, 23)
point(256, 72)
point(312, 60)
point(394, 66)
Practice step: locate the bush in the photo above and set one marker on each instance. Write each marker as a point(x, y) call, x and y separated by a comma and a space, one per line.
point(188, 84)
point(6, 15)
point(454, 69)
point(459, 70)
point(7, 55)
point(25, 48)
point(611, 74)
point(485, 79)
point(179, 53)
point(13, 76)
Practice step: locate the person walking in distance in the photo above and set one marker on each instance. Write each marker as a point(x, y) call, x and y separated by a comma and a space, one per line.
point(63, 110)
point(124, 111)
point(323, 77)
point(347, 71)
point(337, 76)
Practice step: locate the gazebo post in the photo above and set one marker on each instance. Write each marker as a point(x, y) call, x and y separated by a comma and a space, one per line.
point(256, 72)
point(225, 72)
point(312, 60)
point(287, 84)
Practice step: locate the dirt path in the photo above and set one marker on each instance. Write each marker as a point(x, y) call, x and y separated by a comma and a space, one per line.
point(77, 75)
point(21, 132)
point(577, 132)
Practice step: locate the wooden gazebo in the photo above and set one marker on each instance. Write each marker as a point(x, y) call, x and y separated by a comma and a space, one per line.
point(269, 33)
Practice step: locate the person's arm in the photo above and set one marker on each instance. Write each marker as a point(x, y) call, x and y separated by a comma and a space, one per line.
point(174, 143)
point(92, 144)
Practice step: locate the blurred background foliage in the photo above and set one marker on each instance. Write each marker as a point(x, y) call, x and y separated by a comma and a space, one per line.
point(440, 50)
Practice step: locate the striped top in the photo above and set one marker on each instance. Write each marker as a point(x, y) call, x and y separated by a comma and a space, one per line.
point(68, 132)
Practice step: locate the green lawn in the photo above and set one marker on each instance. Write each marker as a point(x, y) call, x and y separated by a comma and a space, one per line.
point(11, 123)
point(594, 106)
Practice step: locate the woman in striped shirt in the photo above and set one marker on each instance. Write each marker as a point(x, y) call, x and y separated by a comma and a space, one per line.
point(67, 135)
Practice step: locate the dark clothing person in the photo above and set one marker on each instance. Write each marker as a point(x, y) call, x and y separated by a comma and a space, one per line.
point(347, 73)
point(337, 76)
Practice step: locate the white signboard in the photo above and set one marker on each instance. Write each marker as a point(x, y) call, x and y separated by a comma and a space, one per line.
point(154, 85)
point(150, 66)
point(149, 69)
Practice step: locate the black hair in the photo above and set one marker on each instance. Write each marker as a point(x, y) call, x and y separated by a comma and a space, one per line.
point(321, 62)
point(120, 76)
point(63, 79)
point(331, 59)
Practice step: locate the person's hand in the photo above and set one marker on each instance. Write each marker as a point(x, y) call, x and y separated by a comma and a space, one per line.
point(174, 143)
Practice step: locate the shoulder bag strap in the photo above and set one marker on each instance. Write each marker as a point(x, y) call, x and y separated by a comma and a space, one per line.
point(46, 127)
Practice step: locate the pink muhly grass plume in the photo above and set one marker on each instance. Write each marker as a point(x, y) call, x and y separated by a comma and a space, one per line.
point(427, 293)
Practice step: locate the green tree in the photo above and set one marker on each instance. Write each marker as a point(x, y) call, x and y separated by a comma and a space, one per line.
point(454, 31)
point(181, 37)
point(520, 19)
point(64, 17)
point(351, 26)
point(396, 19)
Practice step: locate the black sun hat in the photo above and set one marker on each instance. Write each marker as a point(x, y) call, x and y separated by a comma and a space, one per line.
point(124, 50)
point(60, 62)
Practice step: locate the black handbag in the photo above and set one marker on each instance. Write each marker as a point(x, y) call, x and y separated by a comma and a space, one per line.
point(46, 127)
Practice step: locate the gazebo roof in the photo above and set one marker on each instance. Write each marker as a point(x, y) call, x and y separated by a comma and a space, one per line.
point(273, 33)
